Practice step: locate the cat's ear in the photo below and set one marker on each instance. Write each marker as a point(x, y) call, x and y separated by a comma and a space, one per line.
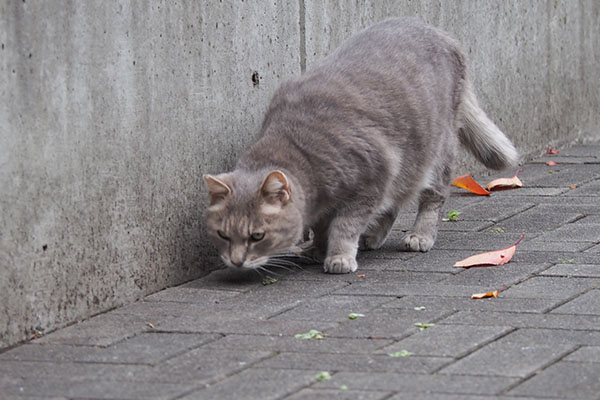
point(217, 189)
point(276, 189)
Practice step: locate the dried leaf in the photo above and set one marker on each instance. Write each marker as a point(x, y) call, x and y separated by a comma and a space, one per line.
point(268, 281)
point(493, 294)
point(150, 324)
point(505, 183)
point(572, 187)
point(497, 257)
point(360, 275)
point(551, 163)
point(467, 182)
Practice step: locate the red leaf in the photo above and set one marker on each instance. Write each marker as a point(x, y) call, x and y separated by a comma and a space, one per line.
point(497, 257)
point(551, 163)
point(467, 182)
point(552, 151)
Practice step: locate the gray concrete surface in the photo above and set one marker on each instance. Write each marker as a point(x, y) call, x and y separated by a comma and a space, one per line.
point(228, 336)
point(111, 111)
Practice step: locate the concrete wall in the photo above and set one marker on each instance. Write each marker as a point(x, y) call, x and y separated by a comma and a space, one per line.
point(110, 111)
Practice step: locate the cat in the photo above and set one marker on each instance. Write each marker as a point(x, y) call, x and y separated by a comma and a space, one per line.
point(344, 146)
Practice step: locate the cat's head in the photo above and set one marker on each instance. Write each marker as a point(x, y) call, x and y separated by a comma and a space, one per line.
point(252, 217)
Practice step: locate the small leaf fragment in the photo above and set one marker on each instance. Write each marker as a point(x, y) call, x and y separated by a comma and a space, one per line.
point(150, 324)
point(551, 163)
point(505, 183)
point(401, 353)
point(422, 325)
point(420, 308)
point(355, 315)
point(343, 387)
point(467, 182)
point(312, 334)
point(360, 275)
point(268, 281)
point(572, 187)
point(496, 257)
point(452, 216)
point(493, 294)
point(323, 376)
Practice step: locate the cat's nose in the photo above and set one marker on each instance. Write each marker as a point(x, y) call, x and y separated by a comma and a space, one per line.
point(237, 263)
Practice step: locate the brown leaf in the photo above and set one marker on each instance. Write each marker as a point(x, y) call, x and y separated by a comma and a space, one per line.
point(505, 183)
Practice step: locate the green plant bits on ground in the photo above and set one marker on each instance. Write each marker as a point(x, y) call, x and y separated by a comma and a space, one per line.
point(422, 325)
point(452, 216)
point(355, 315)
point(323, 376)
point(312, 334)
point(268, 281)
point(401, 353)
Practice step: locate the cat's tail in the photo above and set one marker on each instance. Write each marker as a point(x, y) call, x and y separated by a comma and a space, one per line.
point(481, 136)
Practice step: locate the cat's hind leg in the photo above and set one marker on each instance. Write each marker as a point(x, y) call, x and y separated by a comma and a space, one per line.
point(431, 199)
point(379, 230)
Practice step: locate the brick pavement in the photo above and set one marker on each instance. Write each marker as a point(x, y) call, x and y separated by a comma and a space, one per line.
point(227, 336)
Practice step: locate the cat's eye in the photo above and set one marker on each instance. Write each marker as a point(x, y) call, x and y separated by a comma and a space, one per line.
point(222, 235)
point(257, 236)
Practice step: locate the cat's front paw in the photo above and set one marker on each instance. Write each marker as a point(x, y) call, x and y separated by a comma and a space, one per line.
point(340, 264)
point(417, 242)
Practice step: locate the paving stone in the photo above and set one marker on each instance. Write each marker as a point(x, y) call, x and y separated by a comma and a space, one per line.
point(494, 209)
point(433, 261)
point(192, 295)
point(524, 320)
point(564, 380)
point(590, 219)
point(206, 366)
point(550, 287)
point(573, 233)
point(145, 348)
point(356, 362)
point(292, 344)
point(390, 324)
point(338, 394)
point(586, 304)
point(563, 337)
point(333, 308)
point(465, 226)
point(587, 150)
point(404, 289)
point(101, 330)
point(594, 249)
point(445, 396)
point(242, 325)
point(480, 241)
point(587, 189)
point(573, 270)
point(260, 384)
point(541, 246)
point(447, 340)
point(227, 279)
point(37, 371)
point(466, 303)
point(419, 383)
point(509, 356)
point(95, 388)
point(536, 220)
point(562, 175)
point(554, 257)
point(495, 277)
point(585, 354)
point(560, 159)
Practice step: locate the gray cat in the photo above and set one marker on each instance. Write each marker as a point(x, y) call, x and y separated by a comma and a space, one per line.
point(344, 146)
